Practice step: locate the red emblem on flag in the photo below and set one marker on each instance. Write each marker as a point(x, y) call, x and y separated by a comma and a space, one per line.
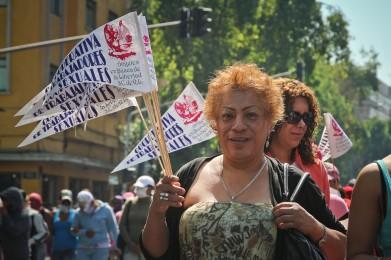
point(119, 40)
point(188, 110)
point(336, 128)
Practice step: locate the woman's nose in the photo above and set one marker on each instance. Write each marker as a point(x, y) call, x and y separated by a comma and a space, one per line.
point(239, 123)
point(301, 123)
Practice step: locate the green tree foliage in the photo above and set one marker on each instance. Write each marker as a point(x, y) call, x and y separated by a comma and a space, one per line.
point(341, 87)
point(274, 34)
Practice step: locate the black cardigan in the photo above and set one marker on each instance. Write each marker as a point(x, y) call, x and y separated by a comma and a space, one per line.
point(310, 197)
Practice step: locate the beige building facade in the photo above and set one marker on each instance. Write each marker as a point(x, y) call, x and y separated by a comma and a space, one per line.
point(73, 159)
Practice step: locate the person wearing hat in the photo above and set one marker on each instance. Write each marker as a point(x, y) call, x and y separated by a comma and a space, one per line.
point(36, 203)
point(134, 217)
point(64, 241)
point(39, 230)
point(96, 227)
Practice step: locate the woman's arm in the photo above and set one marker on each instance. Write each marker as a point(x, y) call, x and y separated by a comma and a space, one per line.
point(292, 215)
point(155, 234)
point(365, 215)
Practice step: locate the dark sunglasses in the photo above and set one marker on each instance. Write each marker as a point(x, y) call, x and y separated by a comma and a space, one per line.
point(293, 117)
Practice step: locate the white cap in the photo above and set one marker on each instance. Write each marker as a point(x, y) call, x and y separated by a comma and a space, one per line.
point(85, 196)
point(144, 181)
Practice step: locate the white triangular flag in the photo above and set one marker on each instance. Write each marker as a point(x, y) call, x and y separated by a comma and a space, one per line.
point(184, 125)
point(65, 120)
point(334, 142)
point(29, 105)
point(98, 94)
point(113, 54)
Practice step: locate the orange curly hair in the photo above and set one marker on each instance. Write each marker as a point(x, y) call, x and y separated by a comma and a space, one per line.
point(244, 77)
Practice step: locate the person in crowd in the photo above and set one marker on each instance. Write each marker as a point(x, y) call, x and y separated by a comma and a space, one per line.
point(64, 241)
point(291, 140)
point(14, 225)
point(134, 217)
point(116, 204)
point(229, 206)
point(36, 203)
point(334, 178)
point(337, 204)
point(370, 213)
point(39, 231)
point(95, 226)
point(125, 196)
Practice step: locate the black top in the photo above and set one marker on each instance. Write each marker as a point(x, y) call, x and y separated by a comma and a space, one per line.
point(310, 197)
point(14, 226)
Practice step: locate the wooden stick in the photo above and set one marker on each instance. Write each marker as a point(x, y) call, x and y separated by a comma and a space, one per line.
point(155, 100)
point(149, 137)
point(153, 109)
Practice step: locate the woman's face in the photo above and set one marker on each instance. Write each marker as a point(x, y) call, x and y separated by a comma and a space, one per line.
point(241, 125)
point(290, 134)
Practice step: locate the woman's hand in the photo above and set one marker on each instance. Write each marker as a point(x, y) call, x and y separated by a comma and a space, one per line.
point(292, 215)
point(168, 193)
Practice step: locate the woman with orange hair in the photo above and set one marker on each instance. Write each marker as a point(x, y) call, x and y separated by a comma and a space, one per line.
point(229, 206)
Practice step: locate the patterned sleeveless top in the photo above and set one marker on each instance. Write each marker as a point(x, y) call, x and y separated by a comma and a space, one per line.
point(215, 230)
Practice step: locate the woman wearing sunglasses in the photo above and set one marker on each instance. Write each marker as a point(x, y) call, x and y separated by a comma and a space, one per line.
point(291, 140)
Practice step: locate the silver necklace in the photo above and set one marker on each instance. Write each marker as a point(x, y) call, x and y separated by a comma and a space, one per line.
point(233, 197)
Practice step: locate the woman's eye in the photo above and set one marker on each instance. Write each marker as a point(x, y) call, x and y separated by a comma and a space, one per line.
point(252, 115)
point(226, 116)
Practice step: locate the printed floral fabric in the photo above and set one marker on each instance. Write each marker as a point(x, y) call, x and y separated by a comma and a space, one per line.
point(213, 230)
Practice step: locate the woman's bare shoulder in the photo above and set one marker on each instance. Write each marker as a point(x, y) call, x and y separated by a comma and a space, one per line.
point(369, 178)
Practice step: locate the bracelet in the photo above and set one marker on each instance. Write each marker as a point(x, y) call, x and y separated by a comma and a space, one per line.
point(322, 240)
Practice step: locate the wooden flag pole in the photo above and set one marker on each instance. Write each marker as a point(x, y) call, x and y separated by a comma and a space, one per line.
point(153, 109)
point(156, 104)
point(149, 137)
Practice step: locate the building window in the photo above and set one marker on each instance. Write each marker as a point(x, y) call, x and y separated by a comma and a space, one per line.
point(52, 70)
point(112, 16)
point(91, 15)
point(76, 185)
point(3, 3)
point(100, 189)
point(55, 7)
point(8, 179)
point(4, 86)
point(50, 190)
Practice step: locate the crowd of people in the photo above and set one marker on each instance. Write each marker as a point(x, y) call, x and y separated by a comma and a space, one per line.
point(86, 229)
point(225, 206)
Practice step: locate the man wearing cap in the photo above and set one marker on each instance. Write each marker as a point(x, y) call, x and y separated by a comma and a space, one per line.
point(96, 227)
point(134, 217)
point(64, 241)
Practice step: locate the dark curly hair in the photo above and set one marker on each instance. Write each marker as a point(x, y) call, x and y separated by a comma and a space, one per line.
point(292, 89)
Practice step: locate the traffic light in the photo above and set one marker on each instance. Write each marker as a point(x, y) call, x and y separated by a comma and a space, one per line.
point(201, 21)
point(184, 26)
point(195, 22)
point(300, 71)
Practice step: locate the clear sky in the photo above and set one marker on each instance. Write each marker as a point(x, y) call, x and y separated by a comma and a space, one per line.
point(370, 27)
